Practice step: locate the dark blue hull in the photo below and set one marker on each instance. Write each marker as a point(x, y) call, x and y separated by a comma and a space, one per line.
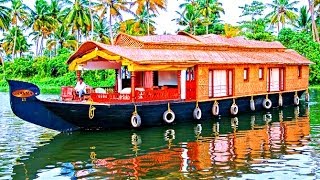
point(73, 116)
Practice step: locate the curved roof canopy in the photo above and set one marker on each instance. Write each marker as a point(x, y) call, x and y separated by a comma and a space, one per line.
point(173, 52)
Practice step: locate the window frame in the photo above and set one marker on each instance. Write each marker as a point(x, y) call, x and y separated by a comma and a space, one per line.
point(262, 73)
point(299, 72)
point(229, 89)
point(246, 73)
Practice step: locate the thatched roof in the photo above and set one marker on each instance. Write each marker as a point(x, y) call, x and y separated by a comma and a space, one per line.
point(184, 48)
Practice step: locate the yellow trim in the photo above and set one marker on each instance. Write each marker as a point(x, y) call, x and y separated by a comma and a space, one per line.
point(156, 67)
point(91, 56)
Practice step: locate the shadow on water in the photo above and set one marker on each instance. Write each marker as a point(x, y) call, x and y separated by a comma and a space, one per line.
point(243, 146)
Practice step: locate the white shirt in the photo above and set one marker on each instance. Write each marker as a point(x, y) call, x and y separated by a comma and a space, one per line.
point(80, 87)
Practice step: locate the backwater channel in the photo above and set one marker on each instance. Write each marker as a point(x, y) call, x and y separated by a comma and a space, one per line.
point(277, 144)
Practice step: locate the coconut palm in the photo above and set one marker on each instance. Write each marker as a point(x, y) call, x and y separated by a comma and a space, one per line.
point(14, 41)
point(77, 17)
point(101, 31)
point(18, 13)
point(61, 37)
point(150, 5)
point(312, 5)
point(112, 8)
point(190, 17)
point(4, 15)
point(209, 9)
point(43, 21)
point(139, 26)
point(304, 19)
point(283, 10)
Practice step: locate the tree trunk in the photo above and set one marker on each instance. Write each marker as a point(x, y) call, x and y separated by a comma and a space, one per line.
point(14, 42)
point(91, 17)
point(148, 17)
point(207, 29)
point(110, 30)
point(41, 45)
point(37, 46)
point(314, 25)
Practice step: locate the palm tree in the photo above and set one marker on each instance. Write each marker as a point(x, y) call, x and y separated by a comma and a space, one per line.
point(190, 18)
point(139, 26)
point(61, 38)
point(4, 15)
point(315, 33)
point(14, 41)
point(151, 5)
point(101, 31)
point(112, 8)
point(43, 22)
point(304, 19)
point(78, 17)
point(282, 10)
point(18, 12)
point(210, 9)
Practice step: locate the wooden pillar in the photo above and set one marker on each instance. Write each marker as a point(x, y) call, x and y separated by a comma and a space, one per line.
point(133, 77)
point(116, 82)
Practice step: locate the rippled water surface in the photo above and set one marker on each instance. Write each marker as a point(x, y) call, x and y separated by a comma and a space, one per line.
point(280, 144)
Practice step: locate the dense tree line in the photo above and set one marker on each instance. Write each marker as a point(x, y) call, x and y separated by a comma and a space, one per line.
point(57, 27)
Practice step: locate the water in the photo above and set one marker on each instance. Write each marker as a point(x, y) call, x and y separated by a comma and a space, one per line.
point(279, 144)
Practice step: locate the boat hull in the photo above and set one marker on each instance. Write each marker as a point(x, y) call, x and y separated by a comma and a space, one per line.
point(64, 116)
point(29, 108)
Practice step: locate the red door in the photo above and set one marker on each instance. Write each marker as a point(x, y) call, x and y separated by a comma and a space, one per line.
point(191, 84)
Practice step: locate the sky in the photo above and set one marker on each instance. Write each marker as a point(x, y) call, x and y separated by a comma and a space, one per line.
point(164, 20)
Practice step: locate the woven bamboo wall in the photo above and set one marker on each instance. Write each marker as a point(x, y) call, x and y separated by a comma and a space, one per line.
point(254, 85)
point(292, 81)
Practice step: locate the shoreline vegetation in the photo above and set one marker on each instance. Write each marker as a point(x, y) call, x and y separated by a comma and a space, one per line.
point(59, 27)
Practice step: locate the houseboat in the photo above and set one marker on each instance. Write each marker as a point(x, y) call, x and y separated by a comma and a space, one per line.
point(164, 79)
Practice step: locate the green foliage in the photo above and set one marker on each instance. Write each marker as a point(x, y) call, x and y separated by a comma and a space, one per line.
point(51, 74)
point(303, 43)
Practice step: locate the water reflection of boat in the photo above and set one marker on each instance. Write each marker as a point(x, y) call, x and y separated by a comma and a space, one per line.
point(226, 143)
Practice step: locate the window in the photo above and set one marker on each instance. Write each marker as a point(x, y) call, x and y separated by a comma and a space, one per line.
point(246, 74)
point(261, 74)
point(299, 72)
point(220, 83)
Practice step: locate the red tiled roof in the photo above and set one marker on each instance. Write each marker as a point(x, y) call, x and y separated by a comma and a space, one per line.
point(185, 49)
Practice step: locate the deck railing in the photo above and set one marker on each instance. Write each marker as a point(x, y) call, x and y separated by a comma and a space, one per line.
point(140, 96)
point(147, 95)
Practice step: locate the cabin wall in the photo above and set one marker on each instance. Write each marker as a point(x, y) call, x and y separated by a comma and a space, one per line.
point(293, 82)
point(253, 85)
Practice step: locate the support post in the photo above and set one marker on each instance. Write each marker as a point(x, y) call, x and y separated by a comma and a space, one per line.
point(183, 78)
point(116, 81)
point(119, 82)
point(179, 83)
point(133, 77)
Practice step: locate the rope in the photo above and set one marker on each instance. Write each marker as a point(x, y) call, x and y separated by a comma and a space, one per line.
point(267, 97)
point(169, 110)
point(234, 102)
point(251, 97)
point(216, 102)
point(135, 112)
point(197, 104)
point(91, 109)
point(296, 93)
